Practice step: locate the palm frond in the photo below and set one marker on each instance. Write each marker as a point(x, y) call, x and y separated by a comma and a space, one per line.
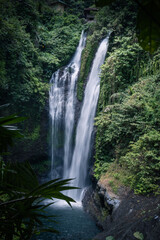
point(8, 131)
point(25, 196)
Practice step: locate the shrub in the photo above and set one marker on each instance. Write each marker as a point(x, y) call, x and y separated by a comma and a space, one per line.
point(143, 162)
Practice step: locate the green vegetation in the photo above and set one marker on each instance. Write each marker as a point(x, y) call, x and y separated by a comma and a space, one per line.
point(93, 39)
point(148, 23)
point(110, 238)
point(143, 161)
point(21, 201)
point(107, 19)
point(87, 58)
point(138, 235)
point(76, 7)
point(127, 139)
point(8, 132)
point(128, 133)
point(35, 41)
point(121, 68)
point(21, 195)
point(41, 167)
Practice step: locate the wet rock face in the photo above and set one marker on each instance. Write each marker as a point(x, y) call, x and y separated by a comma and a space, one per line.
point(112, 200)
point(92, 204)
point(123, 215)
point(99, 204)
point(134, 214)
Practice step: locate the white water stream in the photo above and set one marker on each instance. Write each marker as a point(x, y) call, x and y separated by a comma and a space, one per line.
point(79, 164)
point(62, 96)
point(56, 107)
point(70, 105)
point(62, 100)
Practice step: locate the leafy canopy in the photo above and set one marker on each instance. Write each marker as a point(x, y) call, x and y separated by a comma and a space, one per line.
point(148, 22)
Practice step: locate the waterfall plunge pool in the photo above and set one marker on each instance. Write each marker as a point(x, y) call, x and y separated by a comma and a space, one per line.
point(72, 223)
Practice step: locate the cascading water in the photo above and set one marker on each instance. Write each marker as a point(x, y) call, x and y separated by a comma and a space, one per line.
point(56, 105)
point(70, 105)
point(75, 223)
point(79, 165)
point(62, 98)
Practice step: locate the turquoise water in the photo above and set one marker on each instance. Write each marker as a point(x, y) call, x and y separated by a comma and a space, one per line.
point(72, 223)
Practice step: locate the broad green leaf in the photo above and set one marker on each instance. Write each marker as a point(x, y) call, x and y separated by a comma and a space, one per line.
point(110, 238)
point(138, 235)
point(25, 195)
point(9, 132)
point(12, 119)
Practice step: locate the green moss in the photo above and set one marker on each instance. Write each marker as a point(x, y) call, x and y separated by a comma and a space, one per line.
point(87, 58)
point(86, 62)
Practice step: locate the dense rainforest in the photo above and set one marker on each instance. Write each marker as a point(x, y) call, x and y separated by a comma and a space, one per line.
point(127, 140)
point(36, 40)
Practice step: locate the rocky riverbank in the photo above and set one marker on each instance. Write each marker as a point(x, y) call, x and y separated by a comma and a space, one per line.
point(124, 215)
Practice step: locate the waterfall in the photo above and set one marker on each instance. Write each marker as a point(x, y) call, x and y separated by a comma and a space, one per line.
point(62, 97)
point(79, 165)
point(69, 159)
point(70, 106)
point(57, 107)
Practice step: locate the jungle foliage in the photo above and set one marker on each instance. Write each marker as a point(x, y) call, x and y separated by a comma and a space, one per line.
point(128, 133)
point(109, 18)
point(88, 54)
point(21, 196)
point(128, 111)
point(22, 209)
point(148, 23)
point(35, 41)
